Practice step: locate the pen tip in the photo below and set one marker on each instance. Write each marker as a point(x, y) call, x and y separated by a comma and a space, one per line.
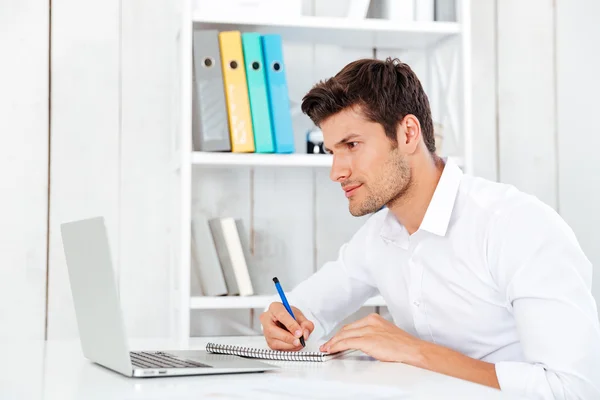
point(275, 280)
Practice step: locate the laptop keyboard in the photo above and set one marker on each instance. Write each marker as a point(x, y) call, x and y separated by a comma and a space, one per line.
point(158, 359)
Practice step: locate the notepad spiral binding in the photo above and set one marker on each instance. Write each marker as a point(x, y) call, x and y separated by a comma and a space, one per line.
point(264, 353)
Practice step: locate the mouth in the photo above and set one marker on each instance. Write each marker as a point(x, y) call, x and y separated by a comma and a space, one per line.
point(351, 189)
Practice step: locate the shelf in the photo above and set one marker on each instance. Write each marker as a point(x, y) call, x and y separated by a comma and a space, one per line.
point(268, 160)
point(345, 32)
point(258, 159)
point(238, 302)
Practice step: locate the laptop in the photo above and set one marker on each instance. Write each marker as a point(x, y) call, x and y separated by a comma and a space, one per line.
point(100, 319)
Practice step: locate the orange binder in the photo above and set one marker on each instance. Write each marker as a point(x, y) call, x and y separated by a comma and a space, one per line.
point(236, 92)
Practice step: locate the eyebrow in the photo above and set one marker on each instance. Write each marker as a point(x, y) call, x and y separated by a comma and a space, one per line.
point(344, 141)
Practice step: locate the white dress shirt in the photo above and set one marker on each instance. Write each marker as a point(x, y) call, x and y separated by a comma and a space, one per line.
point(492, 273)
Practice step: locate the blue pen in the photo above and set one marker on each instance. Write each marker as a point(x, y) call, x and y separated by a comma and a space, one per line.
point(286, 305)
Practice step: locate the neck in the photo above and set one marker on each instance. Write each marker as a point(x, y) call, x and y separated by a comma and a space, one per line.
point(410, 209)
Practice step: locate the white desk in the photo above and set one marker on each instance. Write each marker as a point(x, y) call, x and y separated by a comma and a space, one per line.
point(57, 370)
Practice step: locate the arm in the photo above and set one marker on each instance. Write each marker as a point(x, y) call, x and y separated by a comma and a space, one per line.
point(384, 341)
point(337, 290)
point(538, 264)
point(547, 279)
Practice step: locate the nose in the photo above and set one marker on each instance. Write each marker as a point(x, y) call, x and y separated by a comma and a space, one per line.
point(340, 169)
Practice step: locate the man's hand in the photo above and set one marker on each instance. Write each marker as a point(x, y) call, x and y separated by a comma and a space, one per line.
point(378, 338)
point(281, 330)
point(384, 341)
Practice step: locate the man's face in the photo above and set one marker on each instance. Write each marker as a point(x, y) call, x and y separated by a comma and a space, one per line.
point(370, 168)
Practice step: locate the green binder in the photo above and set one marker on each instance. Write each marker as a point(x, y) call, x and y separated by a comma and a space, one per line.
point(257, 92)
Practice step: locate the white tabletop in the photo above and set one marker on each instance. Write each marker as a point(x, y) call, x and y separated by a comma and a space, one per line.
point(57, 370)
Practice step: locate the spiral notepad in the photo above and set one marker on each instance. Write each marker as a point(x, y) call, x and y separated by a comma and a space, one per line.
point(268, 354)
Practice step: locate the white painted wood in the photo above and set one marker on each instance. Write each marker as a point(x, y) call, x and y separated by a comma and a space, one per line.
point(282, 227)
point(269, 160)
point(465, 105)
point(220, 192)
point(181, 321)
point(483, 76)
point(182, 135)
point(341, 31)
point(85, 128)
point(24, 39)
point(578, 63)
point(526, 97)
point(258, 302)
point(149, 36)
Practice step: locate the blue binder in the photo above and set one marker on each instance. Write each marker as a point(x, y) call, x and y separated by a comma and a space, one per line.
point(277, 89)
point(257, 92)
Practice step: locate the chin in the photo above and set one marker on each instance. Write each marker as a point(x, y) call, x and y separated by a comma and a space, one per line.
point(357, 211)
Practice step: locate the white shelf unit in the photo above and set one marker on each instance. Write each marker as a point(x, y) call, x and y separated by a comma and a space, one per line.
point(380, 34)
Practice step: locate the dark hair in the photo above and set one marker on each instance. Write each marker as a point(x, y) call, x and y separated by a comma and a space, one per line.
point(386, 91)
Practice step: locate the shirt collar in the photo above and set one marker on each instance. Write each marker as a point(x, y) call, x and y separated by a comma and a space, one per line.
point(438, 214)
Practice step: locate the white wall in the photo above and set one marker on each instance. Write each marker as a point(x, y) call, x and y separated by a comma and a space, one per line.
point(484, 69)
point(526, 97)
point(85, 136)
point(23, 167)
point(114, 116)
point(578, 88)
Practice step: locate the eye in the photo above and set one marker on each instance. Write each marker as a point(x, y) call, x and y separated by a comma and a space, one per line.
point(352, 145)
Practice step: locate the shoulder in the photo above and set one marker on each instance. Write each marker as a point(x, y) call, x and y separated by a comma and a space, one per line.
point(498, 207)
point(524, 236)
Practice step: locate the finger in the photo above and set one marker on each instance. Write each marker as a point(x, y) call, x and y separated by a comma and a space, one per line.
point(308, 328)
point(280, 314)
point(366, 321)
point(347, 334)
point(353, 343)
point(282, 346)
point(277, 333)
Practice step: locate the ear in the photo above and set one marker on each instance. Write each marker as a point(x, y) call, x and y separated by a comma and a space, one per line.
point(409, 134)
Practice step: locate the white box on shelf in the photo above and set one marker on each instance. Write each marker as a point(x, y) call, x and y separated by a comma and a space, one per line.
point(249, 8)
point(399, 10)
point(358, 9)
point(425, 10)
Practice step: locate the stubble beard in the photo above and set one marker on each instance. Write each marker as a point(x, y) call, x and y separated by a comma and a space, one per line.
point(392, 187)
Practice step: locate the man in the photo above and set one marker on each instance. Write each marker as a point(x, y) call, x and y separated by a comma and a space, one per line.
point(483, 282)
